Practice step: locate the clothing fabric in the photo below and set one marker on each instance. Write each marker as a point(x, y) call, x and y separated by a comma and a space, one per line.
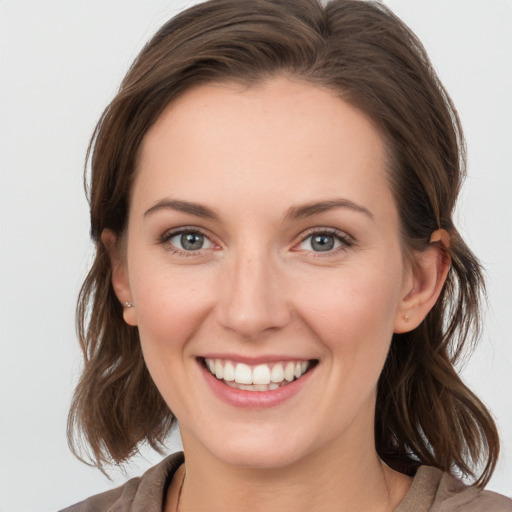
point(431, 491)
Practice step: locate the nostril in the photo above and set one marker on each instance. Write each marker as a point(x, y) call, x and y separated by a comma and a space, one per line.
point(252, 301)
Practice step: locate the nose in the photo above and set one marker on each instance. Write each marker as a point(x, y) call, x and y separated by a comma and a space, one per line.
point(253, 297)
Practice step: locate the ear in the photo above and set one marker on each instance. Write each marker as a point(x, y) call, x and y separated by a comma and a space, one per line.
point(428, 275)
point(120, 281)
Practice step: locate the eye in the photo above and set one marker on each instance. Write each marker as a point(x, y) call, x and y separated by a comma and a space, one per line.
point(324, 241)
point(188, 241)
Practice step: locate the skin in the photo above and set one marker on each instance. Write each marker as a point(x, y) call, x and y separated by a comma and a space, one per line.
point(258, 288)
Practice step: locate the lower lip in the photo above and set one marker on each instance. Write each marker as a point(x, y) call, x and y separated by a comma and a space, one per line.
point(254, 399)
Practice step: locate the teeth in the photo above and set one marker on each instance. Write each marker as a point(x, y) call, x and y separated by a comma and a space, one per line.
point(289, 372)
point(229, 372)
point(261, 374)
point(255, 387)
point(277, 374)
point(243, 374)
point(219, 369)
point(250, 387)
point(262, 377)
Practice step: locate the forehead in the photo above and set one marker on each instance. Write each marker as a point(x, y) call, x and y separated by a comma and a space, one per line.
point(286, 136)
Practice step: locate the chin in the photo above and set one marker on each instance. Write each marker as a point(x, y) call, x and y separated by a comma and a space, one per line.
point(257, 451)
point(259, 457)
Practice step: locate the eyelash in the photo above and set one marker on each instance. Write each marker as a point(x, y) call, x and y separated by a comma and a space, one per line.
point(168, 235)
point(345, 241)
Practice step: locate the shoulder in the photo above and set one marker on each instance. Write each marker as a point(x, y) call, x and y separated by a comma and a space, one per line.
point(145, 493)
point(452, 494)
point(435, 491)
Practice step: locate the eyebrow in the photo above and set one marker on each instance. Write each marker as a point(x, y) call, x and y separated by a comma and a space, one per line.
point(295, 212)
point(307, 210)
point(182, 206)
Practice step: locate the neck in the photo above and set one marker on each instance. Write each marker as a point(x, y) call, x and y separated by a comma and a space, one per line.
point(354, 480)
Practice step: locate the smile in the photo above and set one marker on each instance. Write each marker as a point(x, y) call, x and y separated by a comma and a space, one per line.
point(261, 377)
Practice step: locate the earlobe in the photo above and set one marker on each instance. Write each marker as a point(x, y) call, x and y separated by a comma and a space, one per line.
point(429, 273)
point(120, 280)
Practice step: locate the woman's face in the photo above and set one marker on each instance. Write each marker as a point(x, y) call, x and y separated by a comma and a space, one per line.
point(263, 242)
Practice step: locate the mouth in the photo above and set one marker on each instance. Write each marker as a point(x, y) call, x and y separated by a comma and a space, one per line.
point(257, 377)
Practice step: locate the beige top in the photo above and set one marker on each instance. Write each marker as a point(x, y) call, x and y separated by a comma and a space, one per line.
point(431, 491)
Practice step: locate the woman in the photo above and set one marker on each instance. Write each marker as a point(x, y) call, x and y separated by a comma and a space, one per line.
point(271, 197)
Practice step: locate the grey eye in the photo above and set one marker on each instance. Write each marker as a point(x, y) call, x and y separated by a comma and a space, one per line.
point(322, 242)
point(190, 241)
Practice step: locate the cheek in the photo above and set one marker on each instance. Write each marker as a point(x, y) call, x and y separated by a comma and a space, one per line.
point(171, 306)
point(354, 323)
point(354, 315)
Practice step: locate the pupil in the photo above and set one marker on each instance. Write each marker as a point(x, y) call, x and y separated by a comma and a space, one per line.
point(322, 242)
point(192, 241)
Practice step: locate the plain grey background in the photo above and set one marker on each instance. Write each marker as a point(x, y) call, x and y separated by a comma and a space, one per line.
point(60, 64)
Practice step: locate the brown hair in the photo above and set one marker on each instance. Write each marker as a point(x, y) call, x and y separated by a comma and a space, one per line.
point(363, 52)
